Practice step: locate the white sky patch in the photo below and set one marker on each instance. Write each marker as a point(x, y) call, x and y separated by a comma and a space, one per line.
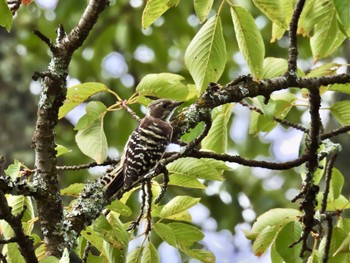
point(114, 65)
point(35, 87)
point(136, 3)
point(144, 54)
point(47, 4)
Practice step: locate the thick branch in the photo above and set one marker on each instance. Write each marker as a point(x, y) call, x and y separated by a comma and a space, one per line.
point(53, 84)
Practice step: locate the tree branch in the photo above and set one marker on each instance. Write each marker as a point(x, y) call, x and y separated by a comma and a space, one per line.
point(25, 243)
point(53, 83)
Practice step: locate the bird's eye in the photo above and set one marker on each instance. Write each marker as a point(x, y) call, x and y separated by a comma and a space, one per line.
point(164, 106)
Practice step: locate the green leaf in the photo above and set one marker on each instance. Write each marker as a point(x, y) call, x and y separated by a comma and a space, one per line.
point(12, 253)
point(92, 140)
point(135, 255)
point(328, 69)
point(216, 140)
point(150, 254)
point(94, 238)
point(177, 205)
point(341, 111)
point(202, 8)
point(186, 234)
point(337, 183)
point(113, 232)
point(287, 8)
point(289, 233)
point(250, 41)
point(338, 237)
point(344, 246)
point(344, 88)
point(264, 239)
point(13, 169)
point(273, 10)
point(314, 12)
point(274, 67)
point(183, 180)
point(200, 254)
point(50, 259)
point(95, 111)
point(200, 168)
point(5, 15)
point(166, 233)
point(206, 55)
point(273, 217)
point(343, 10)
point(164, 85)
point(154, 9)
point(73, 190)
point(60, 149)
point(327, 37)
point(119, 207)
point(275, 257)
point(78, 94)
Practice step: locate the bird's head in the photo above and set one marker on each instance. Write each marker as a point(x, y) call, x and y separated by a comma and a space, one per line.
point(162, 108)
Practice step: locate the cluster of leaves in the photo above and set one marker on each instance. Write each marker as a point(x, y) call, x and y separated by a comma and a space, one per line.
point(205, 58)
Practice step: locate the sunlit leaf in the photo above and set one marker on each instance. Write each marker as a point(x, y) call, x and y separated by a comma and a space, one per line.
point(150, 254)
point(200, 254)
point(73, 190)
point(200, 168)
point(274, 67)
point(154, 9)
point(216, 140)
point(273, 10)
point(202, 8)
point(328, 69)
point(273, 217)
point(94, 113)
point(341, 111)
point(288, 234)
point(134, 256)
point(343, 10)
point(92, 140)
point(164, 85)
point(13, 169)
point(120, 207)
point(250, 41)
point(5, 15)
point(205, 56)
point(177, 205)
point(344, 88)
point(264, 239)
point(314, 12)
point(188, 181)
point(78, 94)
point(166, 233)
point(337, 183)
point(327, 37)
point(287, 8)
point(186, 234)
point(60, 149)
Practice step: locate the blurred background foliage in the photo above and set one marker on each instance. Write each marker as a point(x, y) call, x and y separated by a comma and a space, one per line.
point(119, 53)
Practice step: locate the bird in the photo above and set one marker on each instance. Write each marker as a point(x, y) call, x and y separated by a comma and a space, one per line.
point(145, 147)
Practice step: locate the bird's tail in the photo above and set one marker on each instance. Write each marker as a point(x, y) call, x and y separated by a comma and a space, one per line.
point(114, 181)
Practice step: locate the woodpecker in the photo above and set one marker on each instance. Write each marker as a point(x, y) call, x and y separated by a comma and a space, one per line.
point(145, 147)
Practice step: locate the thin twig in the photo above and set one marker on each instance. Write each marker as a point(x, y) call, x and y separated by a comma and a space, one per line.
point(87, 165)
point(335, 132)
point(86, 252)
point(329, 220)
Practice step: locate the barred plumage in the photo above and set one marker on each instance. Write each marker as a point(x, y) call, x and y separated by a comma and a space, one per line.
point(145, 146)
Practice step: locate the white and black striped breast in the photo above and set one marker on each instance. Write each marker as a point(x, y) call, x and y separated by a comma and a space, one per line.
point(145, 148)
